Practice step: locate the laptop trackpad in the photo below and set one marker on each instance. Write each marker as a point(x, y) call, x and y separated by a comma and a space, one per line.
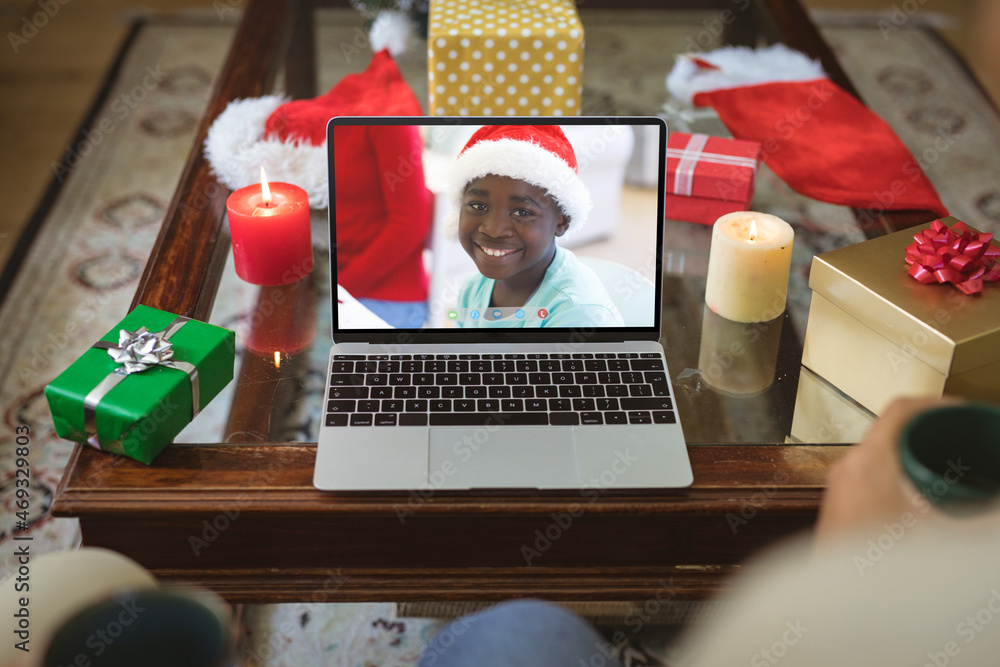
point(506, 458)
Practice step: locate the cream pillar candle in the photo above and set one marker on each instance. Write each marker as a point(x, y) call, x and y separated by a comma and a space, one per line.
point(748, 266)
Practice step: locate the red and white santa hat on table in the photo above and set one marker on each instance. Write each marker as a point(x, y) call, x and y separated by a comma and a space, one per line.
point(289, 137)
point(816, 136)
point(537, 154)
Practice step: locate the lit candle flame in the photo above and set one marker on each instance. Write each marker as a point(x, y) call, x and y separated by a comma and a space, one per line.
point(264, 190)
point(753, 230)
point(277, 359)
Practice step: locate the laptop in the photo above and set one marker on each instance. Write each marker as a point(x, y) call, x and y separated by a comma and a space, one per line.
point(496, 311)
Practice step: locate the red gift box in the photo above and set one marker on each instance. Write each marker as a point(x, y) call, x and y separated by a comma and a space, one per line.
point(709, 176)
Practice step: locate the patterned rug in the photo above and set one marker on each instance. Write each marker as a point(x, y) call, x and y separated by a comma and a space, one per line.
point(116, 182)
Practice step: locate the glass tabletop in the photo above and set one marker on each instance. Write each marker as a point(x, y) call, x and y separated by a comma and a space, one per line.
point(733, 383)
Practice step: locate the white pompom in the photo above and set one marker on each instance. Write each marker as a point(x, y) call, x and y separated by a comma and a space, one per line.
point(391, 30)
point(737, 66)
point(233, 134)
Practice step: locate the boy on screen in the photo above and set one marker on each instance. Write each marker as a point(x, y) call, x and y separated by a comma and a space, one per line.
point(517, 189)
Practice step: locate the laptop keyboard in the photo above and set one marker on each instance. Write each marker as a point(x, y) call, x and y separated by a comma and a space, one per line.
point(498, 389)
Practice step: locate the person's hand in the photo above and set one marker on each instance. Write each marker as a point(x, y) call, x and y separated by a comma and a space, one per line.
point(868, 487)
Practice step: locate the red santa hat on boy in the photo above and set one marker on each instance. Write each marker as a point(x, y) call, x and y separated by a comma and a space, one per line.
point(289, 138)
point(817, 137)
point(538, 154)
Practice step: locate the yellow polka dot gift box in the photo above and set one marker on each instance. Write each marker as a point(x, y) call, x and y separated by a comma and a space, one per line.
point(504, 58)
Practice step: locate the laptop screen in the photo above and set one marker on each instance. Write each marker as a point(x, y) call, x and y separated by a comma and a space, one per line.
point(496, 228)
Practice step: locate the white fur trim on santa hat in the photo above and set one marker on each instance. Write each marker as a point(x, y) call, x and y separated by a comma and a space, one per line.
point(739, 66)
point(236, 150)
point(390, 30)
point(524, 161)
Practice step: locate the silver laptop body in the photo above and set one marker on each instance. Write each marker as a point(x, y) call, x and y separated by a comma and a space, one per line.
point(495, 397)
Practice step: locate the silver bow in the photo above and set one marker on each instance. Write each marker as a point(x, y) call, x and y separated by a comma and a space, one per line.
point(139, 350)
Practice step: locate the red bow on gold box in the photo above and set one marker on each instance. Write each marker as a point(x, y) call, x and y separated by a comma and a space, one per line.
point(955, 255)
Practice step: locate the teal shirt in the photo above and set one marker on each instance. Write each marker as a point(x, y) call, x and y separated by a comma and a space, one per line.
point(570, 292)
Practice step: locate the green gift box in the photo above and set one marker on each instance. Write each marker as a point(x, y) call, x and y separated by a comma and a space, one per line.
point(142, 383)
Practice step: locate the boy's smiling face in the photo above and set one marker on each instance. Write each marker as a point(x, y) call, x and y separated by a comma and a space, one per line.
point(509, 227)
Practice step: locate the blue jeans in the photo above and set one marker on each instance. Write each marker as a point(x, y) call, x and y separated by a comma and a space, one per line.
point(521, 633)
point(398, 314)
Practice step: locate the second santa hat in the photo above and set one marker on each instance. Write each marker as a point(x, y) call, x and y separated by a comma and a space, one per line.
point(817, 137)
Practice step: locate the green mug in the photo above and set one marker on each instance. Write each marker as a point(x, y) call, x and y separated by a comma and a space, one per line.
point(153, 628)
point(952, 455)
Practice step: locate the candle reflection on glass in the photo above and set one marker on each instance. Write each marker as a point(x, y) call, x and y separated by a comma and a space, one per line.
point(277, 337)
point(736, 358)
point(283, 321)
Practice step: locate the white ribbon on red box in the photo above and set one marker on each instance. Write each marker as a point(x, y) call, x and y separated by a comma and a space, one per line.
point(689, 157)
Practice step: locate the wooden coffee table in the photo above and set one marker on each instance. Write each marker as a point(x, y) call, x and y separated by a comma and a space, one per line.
point(245, 520)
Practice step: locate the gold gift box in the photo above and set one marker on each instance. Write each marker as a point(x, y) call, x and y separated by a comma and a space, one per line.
point(877, 334)
point(504, 58)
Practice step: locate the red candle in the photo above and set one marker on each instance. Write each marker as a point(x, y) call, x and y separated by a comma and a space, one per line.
point(269, 226)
